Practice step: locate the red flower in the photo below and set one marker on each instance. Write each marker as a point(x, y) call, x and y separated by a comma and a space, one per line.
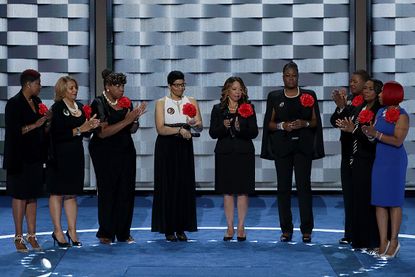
point(245, 110)
point(43, 109)
point(306, 100)
point(124, 102)
point(365, 116)
point(357, 100)
point(87, 111)
point(392, 115)
point(189, 109)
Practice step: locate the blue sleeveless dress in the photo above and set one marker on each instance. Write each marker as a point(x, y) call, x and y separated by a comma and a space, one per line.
point(389, 168)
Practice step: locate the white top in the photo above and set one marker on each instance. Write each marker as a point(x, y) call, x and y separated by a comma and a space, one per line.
point(173, 110)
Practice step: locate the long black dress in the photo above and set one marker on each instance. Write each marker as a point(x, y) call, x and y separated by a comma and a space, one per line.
point(365, 232)
point(114, 160)
point(24, 155)
point(66, 166)
point(174, 202)
point(234, 152)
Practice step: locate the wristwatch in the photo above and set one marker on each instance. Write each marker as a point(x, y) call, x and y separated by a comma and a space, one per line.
point(307, 124)
point(78, 131)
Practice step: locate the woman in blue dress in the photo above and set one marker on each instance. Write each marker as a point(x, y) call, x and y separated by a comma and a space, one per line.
point(389, 168)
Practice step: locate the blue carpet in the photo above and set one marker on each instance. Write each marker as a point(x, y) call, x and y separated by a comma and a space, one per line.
point(205, 254)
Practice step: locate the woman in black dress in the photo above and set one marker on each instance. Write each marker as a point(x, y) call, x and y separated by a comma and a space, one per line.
point(174, 203)
point(293, 137)
point(364, 226)
point(65, 174)
point(114, 157)
point(25, 155)
point(234, 152)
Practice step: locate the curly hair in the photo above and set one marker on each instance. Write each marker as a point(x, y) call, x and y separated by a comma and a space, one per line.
point(112, 78)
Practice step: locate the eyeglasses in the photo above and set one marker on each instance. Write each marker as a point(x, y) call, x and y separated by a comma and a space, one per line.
point(182, 85)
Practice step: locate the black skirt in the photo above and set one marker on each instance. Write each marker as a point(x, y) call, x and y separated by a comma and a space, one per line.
point(27, 183)
point(235, 173)
point(174, 202)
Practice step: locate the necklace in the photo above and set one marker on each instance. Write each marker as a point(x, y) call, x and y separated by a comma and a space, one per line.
point(177, 102)
point(112, 103)
point(293, 96)
point(74, 110)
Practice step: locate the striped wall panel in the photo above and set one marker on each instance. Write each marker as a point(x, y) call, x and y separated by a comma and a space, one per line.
point(49, 36)
point(213, 40)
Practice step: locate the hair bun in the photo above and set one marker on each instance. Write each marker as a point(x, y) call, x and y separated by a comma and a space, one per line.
point(105, 73)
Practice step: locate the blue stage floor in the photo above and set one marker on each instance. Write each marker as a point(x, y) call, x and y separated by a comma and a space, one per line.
point(205, 254)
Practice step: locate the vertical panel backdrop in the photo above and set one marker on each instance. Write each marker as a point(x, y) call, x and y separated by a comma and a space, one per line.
point(212, 40)
point(393, 58)
point(51, 36)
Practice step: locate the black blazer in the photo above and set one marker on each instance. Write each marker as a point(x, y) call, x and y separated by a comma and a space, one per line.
point(280, 143)
point(239, 142)
point(19, 148)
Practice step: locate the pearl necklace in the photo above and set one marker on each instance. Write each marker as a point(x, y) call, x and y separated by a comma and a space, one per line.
point(298, 93)
point(73, 111)
point(110, 102)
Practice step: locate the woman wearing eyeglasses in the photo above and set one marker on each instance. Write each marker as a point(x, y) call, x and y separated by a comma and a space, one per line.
point(174, 203)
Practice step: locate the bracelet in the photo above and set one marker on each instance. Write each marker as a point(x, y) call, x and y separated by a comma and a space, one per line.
point(78, 131)
point(280, 126)
point(26, 128)
point(307, 124)
point(135, 121)
point(180, 130)
point(380, 136)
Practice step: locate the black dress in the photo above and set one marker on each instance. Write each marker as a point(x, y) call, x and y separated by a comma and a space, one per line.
point(365, 233)
point(114, 160)
point(24, 155)
point(66, 166)
point(234, 152)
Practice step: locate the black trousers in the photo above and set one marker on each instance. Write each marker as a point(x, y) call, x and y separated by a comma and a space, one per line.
point(116, 186)
point(347, 185)
point(301, 164)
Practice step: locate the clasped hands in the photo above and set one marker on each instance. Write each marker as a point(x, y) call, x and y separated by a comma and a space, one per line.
point(294, 125)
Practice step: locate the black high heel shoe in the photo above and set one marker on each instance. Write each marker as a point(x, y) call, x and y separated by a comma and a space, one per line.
point(286, 237)
point(60, 244)
point(74, 243)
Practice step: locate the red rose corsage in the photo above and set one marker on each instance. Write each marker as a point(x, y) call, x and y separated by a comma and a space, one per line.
point(392, 115)
point(245, 110)
point(87, 111)
point(365, 116)
point(124, 102)
point(306, 100)
point(357, 100)
point(189, 109)
point(43, 109)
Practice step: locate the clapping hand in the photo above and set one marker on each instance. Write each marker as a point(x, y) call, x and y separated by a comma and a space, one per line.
point(369, 131)
point(339, 97)
point(346, 124)
point(90, 124)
